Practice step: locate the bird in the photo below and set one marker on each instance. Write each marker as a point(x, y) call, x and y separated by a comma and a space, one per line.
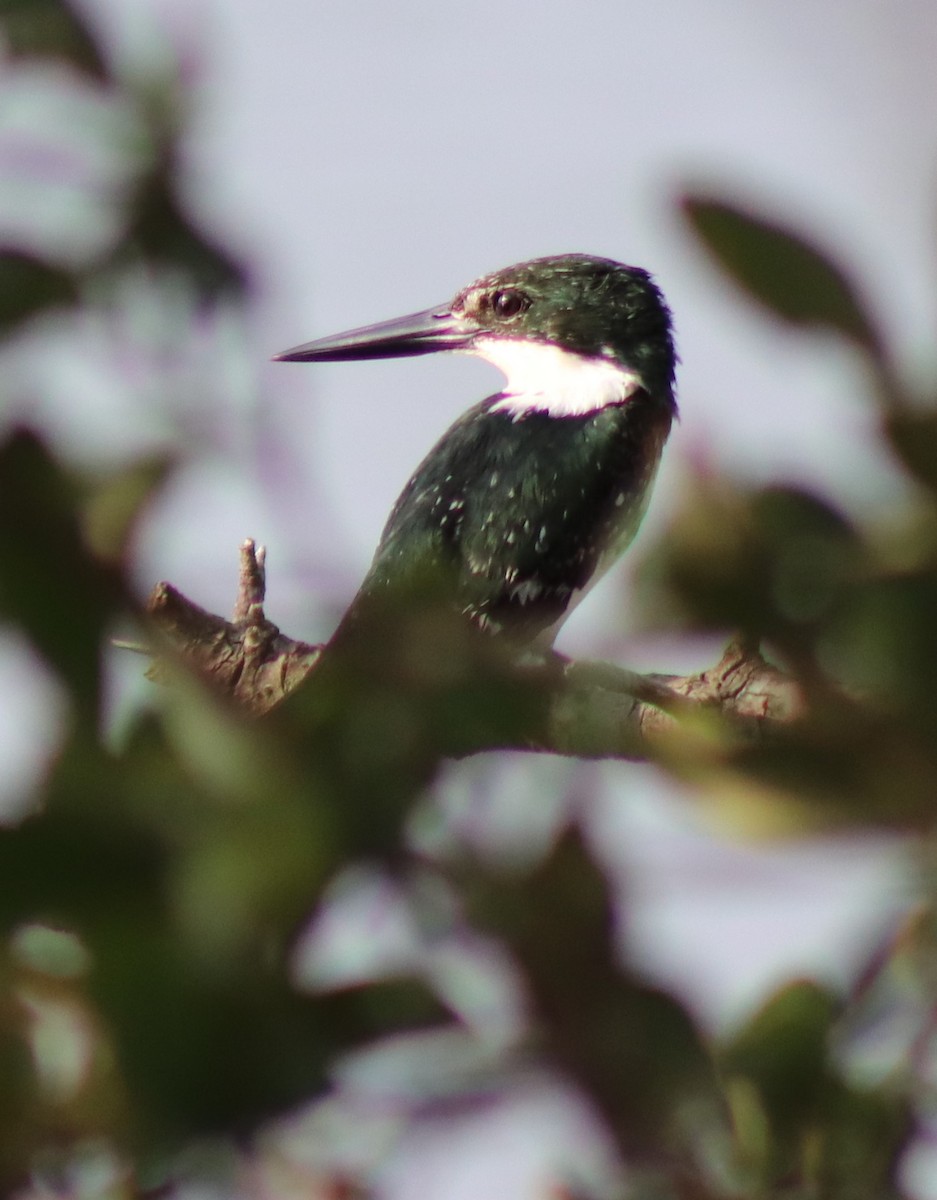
point(533, 493)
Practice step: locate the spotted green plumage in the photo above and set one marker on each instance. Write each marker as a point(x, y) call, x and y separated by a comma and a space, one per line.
point(527, 499)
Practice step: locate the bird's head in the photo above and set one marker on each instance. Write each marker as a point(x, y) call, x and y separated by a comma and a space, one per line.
point(539, 321)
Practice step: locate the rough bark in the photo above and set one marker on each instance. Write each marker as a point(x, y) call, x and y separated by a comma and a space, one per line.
point(246, 658)
point(596, 710)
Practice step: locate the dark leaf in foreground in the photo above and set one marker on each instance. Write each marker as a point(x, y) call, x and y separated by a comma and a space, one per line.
point(631, 1047)
point(50, 29)
point(913, 437)
point(27, 286)
point(777, 563)
point(50, 584)
point(161, 231)
point(792, 278)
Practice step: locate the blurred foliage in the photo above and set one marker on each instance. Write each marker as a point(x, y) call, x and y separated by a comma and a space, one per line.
point(38, 507)
point(793, 279)
point(28, 286)
point(152, 1012)
point(50, 29)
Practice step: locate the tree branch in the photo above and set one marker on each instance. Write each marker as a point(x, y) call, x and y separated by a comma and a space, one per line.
point(596, 709)
point(246, 658)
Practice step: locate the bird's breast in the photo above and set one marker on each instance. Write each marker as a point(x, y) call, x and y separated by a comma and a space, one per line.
point(523, 514)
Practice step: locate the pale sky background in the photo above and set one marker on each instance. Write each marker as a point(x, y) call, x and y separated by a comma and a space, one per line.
point(370, 158)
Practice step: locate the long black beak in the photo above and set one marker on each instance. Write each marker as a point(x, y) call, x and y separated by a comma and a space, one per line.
point(420, 333)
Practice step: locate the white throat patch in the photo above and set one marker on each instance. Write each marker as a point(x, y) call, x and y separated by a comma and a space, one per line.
point(545, 378)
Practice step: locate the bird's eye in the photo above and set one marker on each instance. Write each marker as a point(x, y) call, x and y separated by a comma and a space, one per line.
point(507, 302)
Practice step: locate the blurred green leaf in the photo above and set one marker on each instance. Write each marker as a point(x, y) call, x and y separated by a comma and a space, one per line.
point(162, 233)
point(385, 1006)
point(865, 1135)
point(784, 1048)
point(50, 29)
point(776, 563)
point(792, 278)
point(201, 1054)
point(50, 585)
point(115, 503)
point(837, 1141)
point(28, 286)
point(885, 642)
point(245, 851)
point(408, 682)
point(913, 437)
point(842, 764)
point(634, 1049)
point(783, 1053)
point(20, 1129)
point(208, 1033)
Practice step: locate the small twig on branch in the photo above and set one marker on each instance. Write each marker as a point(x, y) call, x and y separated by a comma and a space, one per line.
point(247, 658)
point(252, 585)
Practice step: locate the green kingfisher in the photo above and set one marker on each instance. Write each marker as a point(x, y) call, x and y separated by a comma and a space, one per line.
point(534, 492)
